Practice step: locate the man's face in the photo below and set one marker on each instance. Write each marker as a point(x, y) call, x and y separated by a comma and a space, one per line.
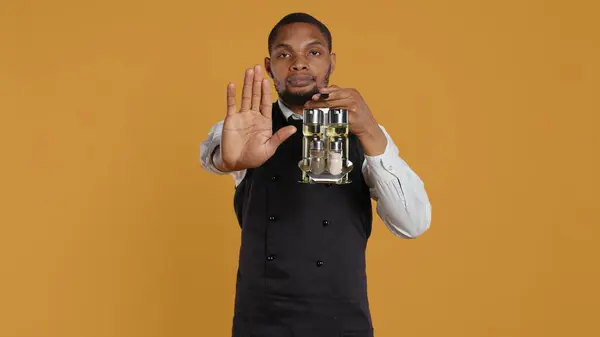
point(300, 63)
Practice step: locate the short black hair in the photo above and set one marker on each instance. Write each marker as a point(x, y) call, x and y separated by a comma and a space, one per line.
point(299, 17)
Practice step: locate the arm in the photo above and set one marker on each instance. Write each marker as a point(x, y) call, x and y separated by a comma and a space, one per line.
point(402, 202)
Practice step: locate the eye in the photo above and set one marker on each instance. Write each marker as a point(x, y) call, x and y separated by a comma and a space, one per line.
point(282, 55)
point(315, 52)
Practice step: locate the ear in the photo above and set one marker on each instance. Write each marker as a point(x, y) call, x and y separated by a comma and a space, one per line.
point(268, 66)
point(332, 57)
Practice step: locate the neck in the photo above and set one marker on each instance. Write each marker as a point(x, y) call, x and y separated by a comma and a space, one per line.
point(298, 109)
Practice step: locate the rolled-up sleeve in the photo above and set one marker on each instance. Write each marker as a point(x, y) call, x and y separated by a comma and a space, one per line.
point(402, 202)
point(208, 146)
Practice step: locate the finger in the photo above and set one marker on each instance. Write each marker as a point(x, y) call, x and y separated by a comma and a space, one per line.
point(330, 103)
point(279, 137)
point(231, 99)
point(257, 88)
point(266, 104)
point(247, 90)
point(338, 94)
point(329, 89)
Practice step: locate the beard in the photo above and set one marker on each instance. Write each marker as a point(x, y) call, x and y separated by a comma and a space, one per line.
point(300, 98)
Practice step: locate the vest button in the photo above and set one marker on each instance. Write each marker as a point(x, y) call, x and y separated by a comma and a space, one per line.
point(274, 178)
point(325, 222)
point(271, 218)
point(319, 263)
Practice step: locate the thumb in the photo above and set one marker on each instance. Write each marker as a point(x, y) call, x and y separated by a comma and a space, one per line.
point(279, 137)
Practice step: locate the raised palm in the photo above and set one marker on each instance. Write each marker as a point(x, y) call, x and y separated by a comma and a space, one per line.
point(247, 140)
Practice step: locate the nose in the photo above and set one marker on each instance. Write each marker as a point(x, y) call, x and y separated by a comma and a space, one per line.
point(299, 64)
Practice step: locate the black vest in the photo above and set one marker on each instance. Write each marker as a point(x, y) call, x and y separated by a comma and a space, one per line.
point(302, 270)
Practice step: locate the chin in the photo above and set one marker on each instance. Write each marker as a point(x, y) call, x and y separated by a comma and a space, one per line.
point(297, 98)
point(307, 90)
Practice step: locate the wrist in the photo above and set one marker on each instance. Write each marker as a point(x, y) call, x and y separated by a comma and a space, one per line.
point(217, 160)
point(373, 141)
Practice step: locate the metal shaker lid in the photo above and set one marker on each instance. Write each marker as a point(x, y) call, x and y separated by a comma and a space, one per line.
point(338, 116)
point(316, 144)
point(312, 116)
point(336, 145)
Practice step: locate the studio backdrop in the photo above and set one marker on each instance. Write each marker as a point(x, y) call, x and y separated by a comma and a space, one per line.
point(109, 227)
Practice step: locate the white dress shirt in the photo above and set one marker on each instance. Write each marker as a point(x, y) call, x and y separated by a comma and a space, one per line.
point(402, 202)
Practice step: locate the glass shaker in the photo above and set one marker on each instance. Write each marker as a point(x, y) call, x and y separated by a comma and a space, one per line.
point(334, 160)
point(317, 156)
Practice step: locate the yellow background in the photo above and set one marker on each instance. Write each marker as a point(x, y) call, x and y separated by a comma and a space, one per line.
point(109, 227)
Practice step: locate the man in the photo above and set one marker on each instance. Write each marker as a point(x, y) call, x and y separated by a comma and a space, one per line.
point(302, 268)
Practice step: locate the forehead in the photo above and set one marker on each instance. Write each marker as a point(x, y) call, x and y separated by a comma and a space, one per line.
point(298, 34)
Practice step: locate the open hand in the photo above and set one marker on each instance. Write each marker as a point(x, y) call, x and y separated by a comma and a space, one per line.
point(247, 140)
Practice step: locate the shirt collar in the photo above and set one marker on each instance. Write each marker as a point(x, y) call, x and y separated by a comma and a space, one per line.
point(287, 112)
